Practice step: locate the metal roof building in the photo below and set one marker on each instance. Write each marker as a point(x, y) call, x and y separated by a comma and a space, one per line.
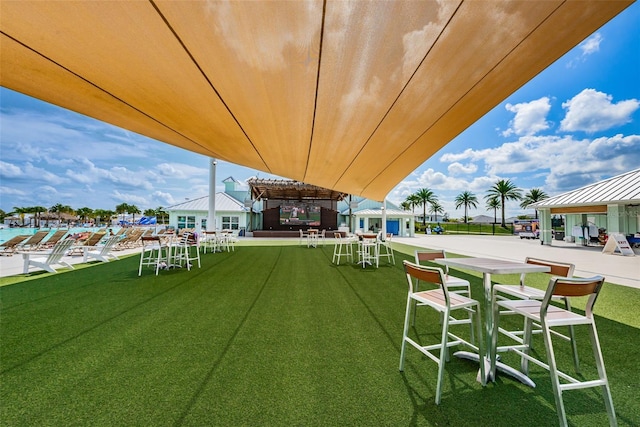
point(612, 204)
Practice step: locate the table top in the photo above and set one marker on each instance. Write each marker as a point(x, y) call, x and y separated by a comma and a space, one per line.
point(493, 266)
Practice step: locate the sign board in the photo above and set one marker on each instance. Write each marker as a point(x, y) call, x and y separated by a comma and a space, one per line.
point(617, 241)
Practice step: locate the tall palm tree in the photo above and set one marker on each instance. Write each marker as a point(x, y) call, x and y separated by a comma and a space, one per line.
point(426, 197)
point(466, 199)
point(133, 210)
point(534, 195)
point(405, 206)
point(436, 208)
point(413, 201)
point(122, 208)
point(161, 214)
point(58, 208)
point(493, 203)
point(20, 211)
point(37, 210)
point(504, 190)
point(84, 213)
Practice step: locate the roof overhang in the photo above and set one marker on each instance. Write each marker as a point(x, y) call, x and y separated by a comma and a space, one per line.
point(283, 189)
point(348, 95)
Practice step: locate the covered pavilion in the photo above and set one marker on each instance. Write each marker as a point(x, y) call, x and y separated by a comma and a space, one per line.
point(345, 95)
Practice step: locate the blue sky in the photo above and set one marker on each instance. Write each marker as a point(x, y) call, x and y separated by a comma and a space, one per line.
point(575, 123)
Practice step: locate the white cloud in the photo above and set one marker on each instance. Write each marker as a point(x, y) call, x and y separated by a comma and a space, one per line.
point(591, 45)
point(129, 198)
point(587, 48)
point(457, 168)
point(10, 190)
point(9, 170)
point(592, 111)
point(530, 117)
point(162, 198)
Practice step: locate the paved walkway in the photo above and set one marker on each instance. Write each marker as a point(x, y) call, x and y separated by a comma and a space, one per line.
point(589, 261)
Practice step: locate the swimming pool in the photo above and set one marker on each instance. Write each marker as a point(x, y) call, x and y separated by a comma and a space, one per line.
point(9, 233)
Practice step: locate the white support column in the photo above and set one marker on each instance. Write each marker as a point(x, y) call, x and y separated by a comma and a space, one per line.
point(211, 217)
point(384, 217)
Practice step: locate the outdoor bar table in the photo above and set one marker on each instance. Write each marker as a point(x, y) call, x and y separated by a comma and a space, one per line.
point(489, 266)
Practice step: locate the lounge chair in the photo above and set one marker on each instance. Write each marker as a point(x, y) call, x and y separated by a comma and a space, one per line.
point(34, 241)
point(103, 252)
point(47, 262)
point(55, 238)
point(90, 243)
point(8, 248)
point(131, 240)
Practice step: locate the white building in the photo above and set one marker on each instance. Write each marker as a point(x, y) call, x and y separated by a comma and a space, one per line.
point(612, 205)
point(231, 213)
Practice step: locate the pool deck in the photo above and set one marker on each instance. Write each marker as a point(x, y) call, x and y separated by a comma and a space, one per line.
point(589, 261)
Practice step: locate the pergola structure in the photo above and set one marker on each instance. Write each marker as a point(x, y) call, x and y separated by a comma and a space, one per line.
point(290, 190)
point(348, 95)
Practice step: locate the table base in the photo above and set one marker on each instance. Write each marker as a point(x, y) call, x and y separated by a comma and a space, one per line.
point(514, 373)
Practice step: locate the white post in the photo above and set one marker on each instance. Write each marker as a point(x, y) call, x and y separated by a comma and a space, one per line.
point(384, 218)
point(211, 217)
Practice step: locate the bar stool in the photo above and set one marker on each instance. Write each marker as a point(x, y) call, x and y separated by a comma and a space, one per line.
point(521, 291)
point(341, 249)
point(151, 254)
point(368, 251)
point(384, 247)
point(184, 250)
point(550, 316)
point(444, 302)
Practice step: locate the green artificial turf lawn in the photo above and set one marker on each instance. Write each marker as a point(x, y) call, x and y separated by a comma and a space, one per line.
point(268, 336)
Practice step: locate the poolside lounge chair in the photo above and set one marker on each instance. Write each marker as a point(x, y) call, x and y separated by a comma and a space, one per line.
point(90, 243)
point(131, 239)
point(48, 261)
point(103, 252)
point(34, 241)
point(8, 248)
point(55, 238)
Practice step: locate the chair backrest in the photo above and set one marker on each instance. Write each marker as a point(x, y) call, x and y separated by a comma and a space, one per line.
point(58, 251)
point(573, 287)
point(423, 273)
point(560, 269)
point(36, 238)
point(109, 243)
point(93, 239)
point(422, 255)
point(14, 241)
point(429, 255)
point(57, 236)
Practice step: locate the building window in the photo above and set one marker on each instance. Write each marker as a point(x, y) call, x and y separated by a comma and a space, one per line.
point(186, 222)
point(230, 223)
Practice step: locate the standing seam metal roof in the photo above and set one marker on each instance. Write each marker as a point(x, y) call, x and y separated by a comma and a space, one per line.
point(623, 188)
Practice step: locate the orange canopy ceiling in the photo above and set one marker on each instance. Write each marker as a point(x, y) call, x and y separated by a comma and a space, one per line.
point(347, 95)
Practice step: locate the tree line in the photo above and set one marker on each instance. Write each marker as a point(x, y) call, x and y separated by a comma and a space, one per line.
point(496, 197)
point(84, 214)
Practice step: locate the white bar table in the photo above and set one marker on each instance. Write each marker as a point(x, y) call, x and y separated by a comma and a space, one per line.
point(489, 266)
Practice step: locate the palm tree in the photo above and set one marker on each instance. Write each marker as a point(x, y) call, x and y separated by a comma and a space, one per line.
point(493, 203)
point(133, 210)
point(122, 208)
point(37, 210)
point(505, 190)
point(161, 214)
point(534, 195)
point(84, 213)
point(466, 199)
point(405, 206)
point(20, 211)
point(57, 209)
point(426, 197)
point(436, 208)
point(413, 200)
